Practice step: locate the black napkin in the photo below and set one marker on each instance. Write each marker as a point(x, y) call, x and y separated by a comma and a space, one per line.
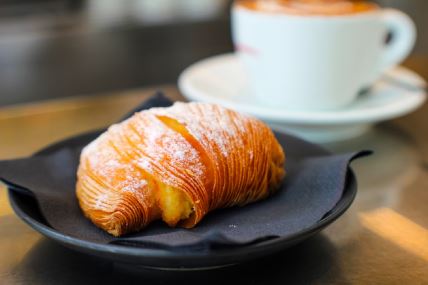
point(314, 184)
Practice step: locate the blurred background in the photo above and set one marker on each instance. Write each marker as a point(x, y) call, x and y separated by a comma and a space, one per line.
point(60, 48)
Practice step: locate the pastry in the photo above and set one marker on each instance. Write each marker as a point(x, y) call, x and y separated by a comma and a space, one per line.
point(176, 164)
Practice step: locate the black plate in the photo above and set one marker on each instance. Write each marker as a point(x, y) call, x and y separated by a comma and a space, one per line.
point(26, 208)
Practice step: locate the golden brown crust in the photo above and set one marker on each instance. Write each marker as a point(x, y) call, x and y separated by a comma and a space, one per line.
point(193, 155)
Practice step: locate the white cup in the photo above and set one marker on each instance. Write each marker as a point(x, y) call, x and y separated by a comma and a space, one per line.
point(318, 62)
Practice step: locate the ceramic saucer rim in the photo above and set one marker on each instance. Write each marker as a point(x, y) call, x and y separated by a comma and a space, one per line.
point(398, 108)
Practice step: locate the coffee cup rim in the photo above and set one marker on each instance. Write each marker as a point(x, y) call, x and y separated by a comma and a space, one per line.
point(236, 6)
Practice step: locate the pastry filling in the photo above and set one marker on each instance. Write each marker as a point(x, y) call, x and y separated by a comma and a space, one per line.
point(174, 205)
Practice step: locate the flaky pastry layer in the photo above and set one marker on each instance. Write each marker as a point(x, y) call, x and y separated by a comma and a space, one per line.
point(176, 164)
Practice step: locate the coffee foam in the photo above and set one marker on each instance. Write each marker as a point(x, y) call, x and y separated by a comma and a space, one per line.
point(309, 7)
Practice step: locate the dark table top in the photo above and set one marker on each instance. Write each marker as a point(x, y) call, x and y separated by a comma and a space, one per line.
point(382, 239)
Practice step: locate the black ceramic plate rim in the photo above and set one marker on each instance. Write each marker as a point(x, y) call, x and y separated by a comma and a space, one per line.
point(343, 204)
point(241, 253)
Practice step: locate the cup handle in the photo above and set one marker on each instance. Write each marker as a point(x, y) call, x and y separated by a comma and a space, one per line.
point(403, 31)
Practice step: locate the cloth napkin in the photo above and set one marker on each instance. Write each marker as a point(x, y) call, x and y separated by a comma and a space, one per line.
point(314, 184)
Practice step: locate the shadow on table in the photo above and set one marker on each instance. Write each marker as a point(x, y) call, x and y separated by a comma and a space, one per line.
point(50, 263)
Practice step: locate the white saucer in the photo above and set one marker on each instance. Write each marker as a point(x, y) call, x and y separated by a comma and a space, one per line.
point(222, 80)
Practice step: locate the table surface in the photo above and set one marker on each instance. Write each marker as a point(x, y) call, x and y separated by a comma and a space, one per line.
point(382, 239)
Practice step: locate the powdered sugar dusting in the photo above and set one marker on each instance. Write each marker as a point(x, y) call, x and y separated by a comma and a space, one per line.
point(207, 123)
point(105, 163)
point(101, 200)
point(133, 184)
point(162, 151)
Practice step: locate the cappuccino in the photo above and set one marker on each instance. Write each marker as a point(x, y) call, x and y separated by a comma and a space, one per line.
point(309, 7)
